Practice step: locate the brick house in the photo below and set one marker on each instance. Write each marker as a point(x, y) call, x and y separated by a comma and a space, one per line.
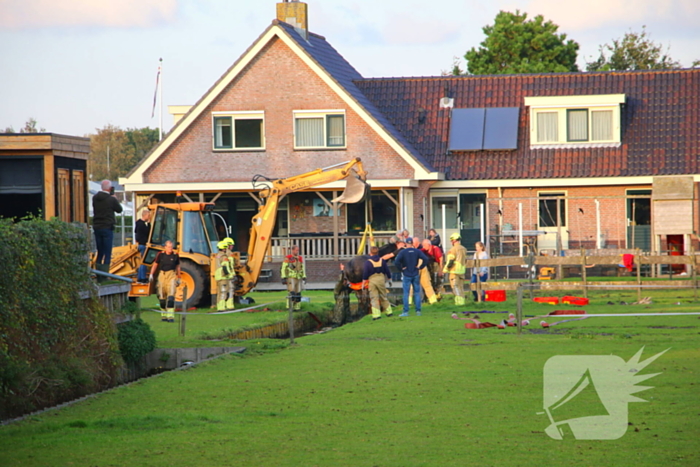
point(594, 160)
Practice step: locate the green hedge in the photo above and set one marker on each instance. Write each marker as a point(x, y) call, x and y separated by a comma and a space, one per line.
point(54, 345)
point(136, 339)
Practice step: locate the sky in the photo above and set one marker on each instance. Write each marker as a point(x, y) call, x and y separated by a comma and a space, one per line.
point(79, 65)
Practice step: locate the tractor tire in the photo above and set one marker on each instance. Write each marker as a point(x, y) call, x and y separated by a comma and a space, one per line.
point(193, 276)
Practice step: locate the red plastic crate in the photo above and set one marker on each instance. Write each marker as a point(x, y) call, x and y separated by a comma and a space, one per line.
point(495, 296)
point(548, 300)
point(570, 300)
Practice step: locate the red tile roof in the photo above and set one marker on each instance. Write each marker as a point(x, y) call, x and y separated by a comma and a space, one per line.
point(660, 123)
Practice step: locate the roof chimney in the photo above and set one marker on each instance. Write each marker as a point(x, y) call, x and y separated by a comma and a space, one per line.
point(294, 13)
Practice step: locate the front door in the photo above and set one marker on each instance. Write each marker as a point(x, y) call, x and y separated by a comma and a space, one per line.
point(471, 206)
point(447, 224)
point(639, 220)
point(552, 221)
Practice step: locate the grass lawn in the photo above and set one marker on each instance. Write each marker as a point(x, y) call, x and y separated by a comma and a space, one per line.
point(417, 391)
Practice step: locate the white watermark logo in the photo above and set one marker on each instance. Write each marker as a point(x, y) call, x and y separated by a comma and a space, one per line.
point(586, 396)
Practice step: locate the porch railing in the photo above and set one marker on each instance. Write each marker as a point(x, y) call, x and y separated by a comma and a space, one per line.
point(319, 248)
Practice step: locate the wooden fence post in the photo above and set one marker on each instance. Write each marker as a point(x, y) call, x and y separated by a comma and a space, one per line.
point(639, 274)
point(183, 316)
point(478, 280)
point(519, 310)
point(583, 273)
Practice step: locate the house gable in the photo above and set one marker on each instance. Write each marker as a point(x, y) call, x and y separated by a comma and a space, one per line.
point(277, 77)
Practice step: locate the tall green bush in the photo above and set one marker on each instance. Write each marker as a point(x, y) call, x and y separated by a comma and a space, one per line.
point(56, 341)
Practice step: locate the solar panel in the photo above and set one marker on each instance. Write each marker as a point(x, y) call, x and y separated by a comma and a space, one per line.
point(467, 129)
point(501, 128)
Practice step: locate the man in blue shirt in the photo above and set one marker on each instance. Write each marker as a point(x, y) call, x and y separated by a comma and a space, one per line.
point(410, 261)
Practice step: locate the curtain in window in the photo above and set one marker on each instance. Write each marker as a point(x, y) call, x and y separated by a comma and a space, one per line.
point(601, 125)
point(336, 130)
point(577, 125)
point(222, 132)
point(547, 127)
point(309, 132)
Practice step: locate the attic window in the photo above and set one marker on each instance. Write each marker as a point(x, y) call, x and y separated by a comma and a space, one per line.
point(493, 128)
point(238, 130)
point(319, 129)
point(575, 121)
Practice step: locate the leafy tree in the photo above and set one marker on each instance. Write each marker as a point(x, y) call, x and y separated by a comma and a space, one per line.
point(114, 152)
point(143, 140)
point(515, 45)
point(455, 69)
point(635, 51)
point(110, 153)
point(29, 127)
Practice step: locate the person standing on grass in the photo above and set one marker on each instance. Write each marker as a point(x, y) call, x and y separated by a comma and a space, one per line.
point(375, 274)
point(482, 272)
point(222, 276)
point(410, 261)
point(455, 266)
point(434, 269)
point(424, 275)
point(168, 279)
point(293, 274)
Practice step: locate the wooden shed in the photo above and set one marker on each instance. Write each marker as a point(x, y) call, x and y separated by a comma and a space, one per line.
point(44, 174)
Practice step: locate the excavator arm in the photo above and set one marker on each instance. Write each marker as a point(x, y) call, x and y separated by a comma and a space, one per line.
point(263, 222)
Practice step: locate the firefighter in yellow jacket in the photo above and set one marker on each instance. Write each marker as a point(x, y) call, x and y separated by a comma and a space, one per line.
point(293, 274)
point(223, 275)
point(455, 265)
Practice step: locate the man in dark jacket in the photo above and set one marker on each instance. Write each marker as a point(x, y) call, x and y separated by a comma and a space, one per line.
point(374, 275)
point(410, 261)
point(141, 230)
point(104, 205)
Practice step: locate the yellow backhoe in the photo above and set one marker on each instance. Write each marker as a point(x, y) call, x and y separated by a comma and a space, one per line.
point(191, 227)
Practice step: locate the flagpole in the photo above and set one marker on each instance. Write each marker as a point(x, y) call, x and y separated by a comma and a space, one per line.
point(160, 97)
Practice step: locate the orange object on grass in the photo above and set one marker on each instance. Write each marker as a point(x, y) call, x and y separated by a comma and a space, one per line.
point(495, 296)
point(570, 300)
point(548, 300)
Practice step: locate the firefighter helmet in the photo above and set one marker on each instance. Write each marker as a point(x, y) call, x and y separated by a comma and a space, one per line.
point(228, 241)
point(455, 236)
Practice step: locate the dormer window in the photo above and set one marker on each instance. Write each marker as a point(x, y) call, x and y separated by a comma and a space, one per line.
point(575, 121)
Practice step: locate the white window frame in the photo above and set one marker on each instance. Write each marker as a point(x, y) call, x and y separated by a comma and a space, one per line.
point(561, 105)
point(238, 115)
point(323, 115)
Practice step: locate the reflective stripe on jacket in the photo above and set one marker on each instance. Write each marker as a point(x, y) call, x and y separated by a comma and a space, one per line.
point(293, 267)
point(459, 254)
point(221, 260)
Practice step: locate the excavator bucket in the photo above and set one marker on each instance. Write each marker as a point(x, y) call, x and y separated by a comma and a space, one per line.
point(355, 190)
